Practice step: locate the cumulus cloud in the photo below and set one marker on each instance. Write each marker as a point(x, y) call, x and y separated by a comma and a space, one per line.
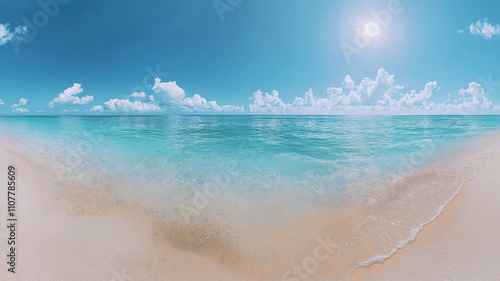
point(69, 96)
point(20, 110)
point(413, 99)
point(6, 35)
point(485, 30)
point(367, 92)
point(173, 95)
point(170, 92)
point(311, 103)
point(1, 102)
point(474, 98)
point(70, 110)
point(97, 108)
point(368, 95)
point(381, 94)
point(22, 102)
point(268, 102)
point(348, 82)
point(130, 106)
point(140, 95)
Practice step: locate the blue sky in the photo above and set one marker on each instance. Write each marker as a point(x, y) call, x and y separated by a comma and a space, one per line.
point(245, 56)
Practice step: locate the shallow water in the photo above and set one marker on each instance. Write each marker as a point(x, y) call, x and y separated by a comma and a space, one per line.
point(268, 196)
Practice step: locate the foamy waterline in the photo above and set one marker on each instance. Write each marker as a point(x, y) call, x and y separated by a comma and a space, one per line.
point(266, 215)
point(417, 230)
point(236, 242)
point(469, 156)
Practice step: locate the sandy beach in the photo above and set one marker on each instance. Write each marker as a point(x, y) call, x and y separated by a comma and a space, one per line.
point(461, 244)
point(95, 239)
point(235, 140)
point(96, 242)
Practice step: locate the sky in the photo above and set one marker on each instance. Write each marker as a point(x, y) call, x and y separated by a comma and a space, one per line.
point(249, 57)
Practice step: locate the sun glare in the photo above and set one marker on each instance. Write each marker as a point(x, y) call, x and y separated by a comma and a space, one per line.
point(372, 29)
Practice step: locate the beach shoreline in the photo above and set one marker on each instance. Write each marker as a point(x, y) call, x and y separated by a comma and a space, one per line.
point(460, 244)
point(52, 244)
point(108, 241)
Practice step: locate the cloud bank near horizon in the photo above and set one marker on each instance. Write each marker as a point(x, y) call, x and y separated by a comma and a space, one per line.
point(380, 95)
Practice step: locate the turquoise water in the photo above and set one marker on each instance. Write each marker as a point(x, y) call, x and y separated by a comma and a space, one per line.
point(303, 162)
point(312, 152)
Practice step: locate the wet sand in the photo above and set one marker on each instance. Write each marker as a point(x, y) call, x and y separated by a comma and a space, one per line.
point(87, 233)
point(77, 231)
point(463, 243)
point(91, 242)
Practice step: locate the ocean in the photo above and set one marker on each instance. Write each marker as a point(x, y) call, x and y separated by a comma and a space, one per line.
point(288, 196)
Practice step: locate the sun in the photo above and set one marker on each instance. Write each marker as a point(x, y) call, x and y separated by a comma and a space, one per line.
point(372, 29)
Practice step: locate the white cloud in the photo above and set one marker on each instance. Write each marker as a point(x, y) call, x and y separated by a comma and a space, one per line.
point(173, 95)
point(474, 98)
point(367, 92)
point(413, 99)
point(379, 95)
point(230, 108)
point(127, 105)
point(170, 92)
point(20, 110)
point(460, 31)
point(22, 102)
point(140, 95)
point(70, 111)
point(6, 35)
point(268, 103)
point(97, 108)
point(310, 103)
point(1, 102)
point(69, 96)
point(485, 29)
point(348, 82)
